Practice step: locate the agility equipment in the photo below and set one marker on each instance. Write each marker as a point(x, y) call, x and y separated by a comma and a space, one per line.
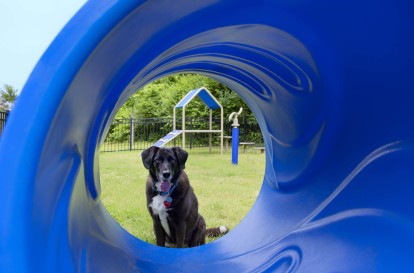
point(330, 83)
point(211, 102)
point(168, 137)
point(235, 136)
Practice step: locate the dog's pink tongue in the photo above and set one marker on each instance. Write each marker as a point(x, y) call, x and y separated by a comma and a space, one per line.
point(165, 185)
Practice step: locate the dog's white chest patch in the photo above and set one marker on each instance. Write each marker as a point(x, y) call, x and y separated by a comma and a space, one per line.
point(158, 208)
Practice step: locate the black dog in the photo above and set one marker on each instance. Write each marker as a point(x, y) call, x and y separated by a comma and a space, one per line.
point(171, 201)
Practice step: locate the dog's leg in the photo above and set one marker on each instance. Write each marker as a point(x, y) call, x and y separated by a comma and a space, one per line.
point(159, 233)
point(198, 237)
point(180, 234)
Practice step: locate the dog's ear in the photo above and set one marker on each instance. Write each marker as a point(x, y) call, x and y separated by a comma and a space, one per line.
point(148, 156)
point(182, 156)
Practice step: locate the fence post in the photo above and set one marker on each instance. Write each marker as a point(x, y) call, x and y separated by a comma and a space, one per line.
point(131, 133)
point(191, 134)
point(210, 128)
point(244, 129)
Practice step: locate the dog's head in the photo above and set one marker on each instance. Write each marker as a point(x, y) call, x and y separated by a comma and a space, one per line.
point(164, 164)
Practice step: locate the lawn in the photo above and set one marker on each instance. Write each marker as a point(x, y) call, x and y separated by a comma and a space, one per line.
point(225, 192)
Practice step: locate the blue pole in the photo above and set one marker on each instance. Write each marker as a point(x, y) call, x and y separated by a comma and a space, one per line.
point(235, 146)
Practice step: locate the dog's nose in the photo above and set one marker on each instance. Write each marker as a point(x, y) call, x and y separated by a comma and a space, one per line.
point(166, 175)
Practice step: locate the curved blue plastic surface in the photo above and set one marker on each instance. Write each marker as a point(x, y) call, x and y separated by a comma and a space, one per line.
point(330, 83)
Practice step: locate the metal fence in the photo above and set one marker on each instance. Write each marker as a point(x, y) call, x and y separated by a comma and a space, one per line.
point(3, 117)
point(138, 134)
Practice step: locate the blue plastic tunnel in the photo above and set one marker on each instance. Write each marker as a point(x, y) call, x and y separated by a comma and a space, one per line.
point(331, 85)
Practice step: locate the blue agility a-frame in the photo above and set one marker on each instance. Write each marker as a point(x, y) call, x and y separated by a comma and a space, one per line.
point(211, 102)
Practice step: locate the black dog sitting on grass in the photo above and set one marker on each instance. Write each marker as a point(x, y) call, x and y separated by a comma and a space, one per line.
point(171, 201)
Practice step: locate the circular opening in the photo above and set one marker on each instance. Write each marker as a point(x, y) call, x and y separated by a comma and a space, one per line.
point(225, 191)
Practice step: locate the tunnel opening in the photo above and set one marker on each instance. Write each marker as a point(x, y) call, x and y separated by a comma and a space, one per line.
point(225, 192)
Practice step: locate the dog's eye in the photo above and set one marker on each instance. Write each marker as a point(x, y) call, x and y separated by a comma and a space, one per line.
point(158, 160)
point(171, 159)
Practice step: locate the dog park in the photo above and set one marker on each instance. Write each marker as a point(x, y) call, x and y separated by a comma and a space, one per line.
point(225, 193)
point(329, 83)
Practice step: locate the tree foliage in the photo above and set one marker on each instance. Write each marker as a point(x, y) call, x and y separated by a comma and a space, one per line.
point(8, 96)
point(159, 98)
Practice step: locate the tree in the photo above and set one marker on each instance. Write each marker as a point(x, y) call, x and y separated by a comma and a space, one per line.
point(8, 96)
point(158, 98)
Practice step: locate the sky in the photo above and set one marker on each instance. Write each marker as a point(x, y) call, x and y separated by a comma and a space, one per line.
point(27, 27)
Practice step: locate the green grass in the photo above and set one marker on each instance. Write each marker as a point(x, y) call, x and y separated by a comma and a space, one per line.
point(225, 192)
